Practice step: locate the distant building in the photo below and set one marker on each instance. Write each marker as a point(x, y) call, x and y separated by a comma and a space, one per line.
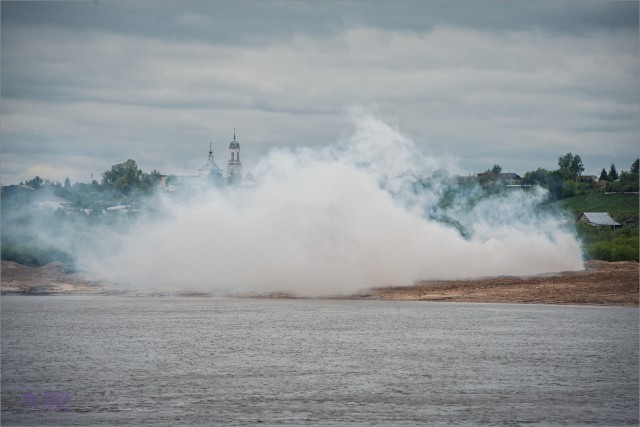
point(234, 166)
point(210, 169)
point(598, 219)
point(601, 184)
point(209, 173)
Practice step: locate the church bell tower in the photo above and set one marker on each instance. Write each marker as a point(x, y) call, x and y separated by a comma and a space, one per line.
point(234, 166)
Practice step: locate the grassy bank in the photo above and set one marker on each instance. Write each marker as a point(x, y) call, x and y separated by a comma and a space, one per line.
point(604, 243)
point(622, 207)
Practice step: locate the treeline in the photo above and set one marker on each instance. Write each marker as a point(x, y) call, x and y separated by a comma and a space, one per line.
point(45, 221)
point(35, 236)
point(623, 182)
point(123, 184)
point(567, 180)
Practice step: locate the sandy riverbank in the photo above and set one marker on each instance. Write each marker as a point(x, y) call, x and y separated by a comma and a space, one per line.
point(50, 279)
point(602, 283)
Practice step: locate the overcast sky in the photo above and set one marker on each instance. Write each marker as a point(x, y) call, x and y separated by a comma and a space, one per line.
point(89, 84)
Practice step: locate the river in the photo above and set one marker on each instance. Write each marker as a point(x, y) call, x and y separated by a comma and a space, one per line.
point(202, 361)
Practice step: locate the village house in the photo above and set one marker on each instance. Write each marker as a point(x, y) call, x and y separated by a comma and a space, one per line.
point(598, 219)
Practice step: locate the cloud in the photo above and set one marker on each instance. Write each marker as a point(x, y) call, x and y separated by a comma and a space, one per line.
point(161, 83)
point(254, 22)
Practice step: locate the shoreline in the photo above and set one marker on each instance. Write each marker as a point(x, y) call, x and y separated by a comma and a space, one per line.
point(602, 283)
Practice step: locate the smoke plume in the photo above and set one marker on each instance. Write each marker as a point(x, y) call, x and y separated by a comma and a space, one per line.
point(368, 211)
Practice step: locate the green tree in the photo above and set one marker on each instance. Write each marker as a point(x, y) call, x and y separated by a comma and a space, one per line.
point(613, 174)
point(152, 179)
point(635, 166)
point(576, 165)
point(629, 181)
point(603, 175)
point(537, 177)
point(551, 180)
point(570, 166)
point(67, 183)
point(569, 189)
point(123, 177)
point(35, 182)
point(496, 169)
point(564, 162)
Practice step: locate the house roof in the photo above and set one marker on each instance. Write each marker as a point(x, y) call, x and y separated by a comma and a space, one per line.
point(600, 218)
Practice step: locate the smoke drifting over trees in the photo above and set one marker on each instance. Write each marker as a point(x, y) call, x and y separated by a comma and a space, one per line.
point(369, 211)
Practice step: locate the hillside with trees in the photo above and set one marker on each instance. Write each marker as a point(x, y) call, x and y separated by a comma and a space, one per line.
point(615, 193)
point(45, 221)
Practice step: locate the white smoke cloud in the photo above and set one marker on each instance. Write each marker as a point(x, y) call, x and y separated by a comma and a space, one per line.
point(333, 221)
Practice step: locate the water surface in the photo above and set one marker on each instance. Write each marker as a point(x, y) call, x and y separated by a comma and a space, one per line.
point(135, 360)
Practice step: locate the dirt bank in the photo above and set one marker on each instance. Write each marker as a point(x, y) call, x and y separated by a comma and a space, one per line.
point(50, 279)
point(602, 283)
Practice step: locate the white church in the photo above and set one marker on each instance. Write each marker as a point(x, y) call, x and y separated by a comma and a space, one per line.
point(209, 173)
